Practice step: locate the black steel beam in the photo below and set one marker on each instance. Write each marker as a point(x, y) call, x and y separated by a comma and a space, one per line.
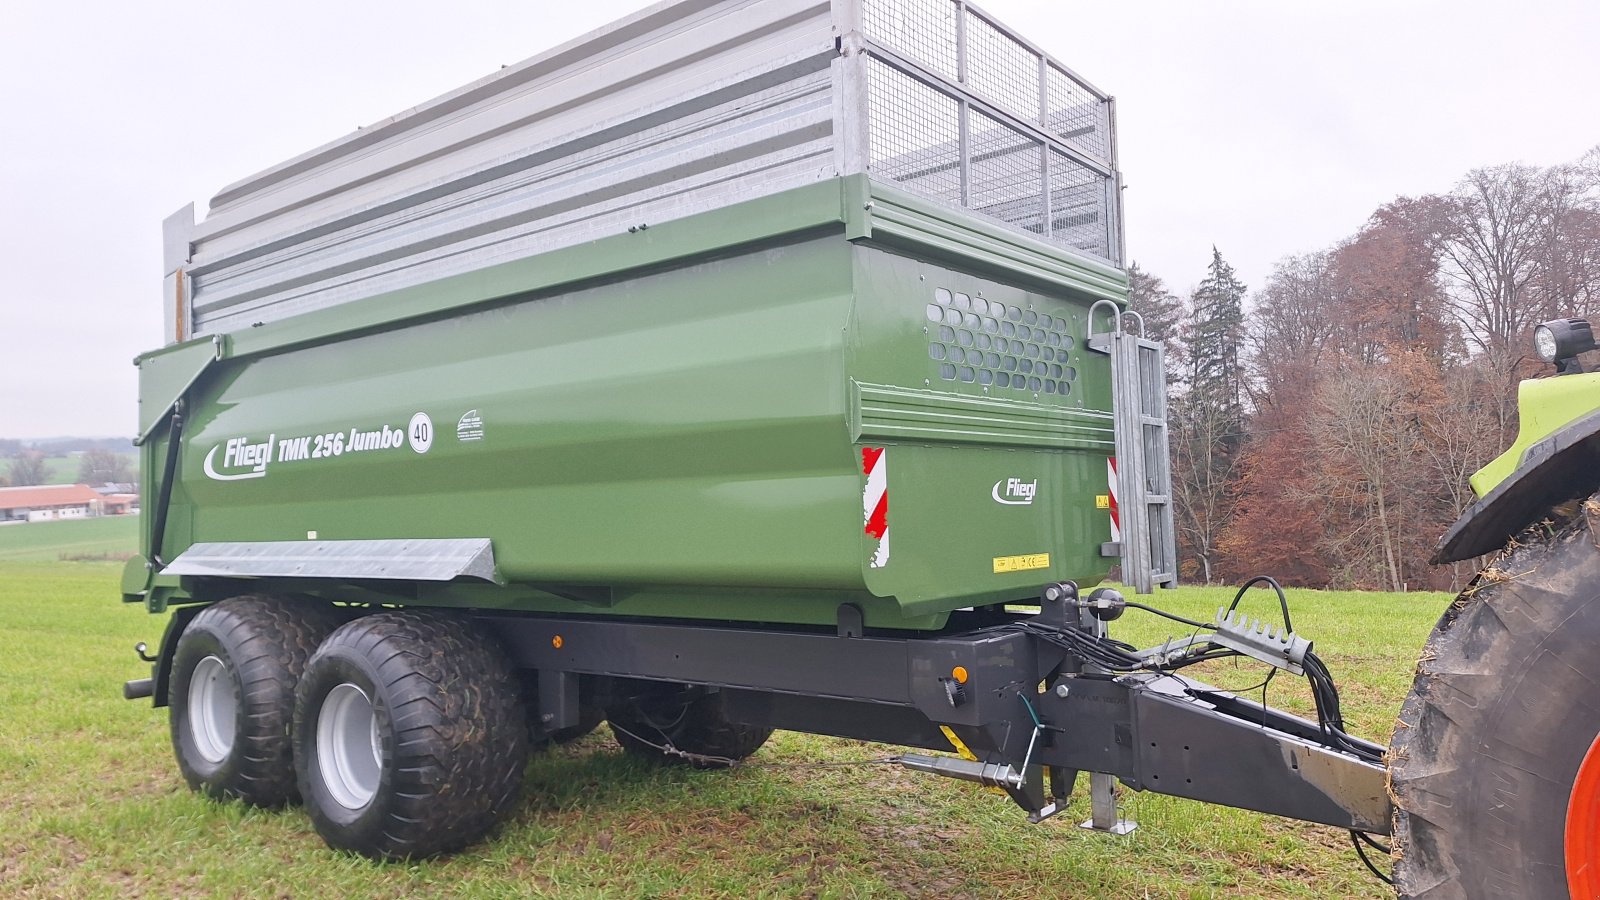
point(1157, 737)
point(1158, 733)
point(910, 671)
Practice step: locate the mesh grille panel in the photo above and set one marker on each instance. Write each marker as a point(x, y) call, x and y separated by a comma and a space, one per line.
point(922, 30)
point(1007, 177)
point(1001, 70)
point(931, 131)
point(916, 134)
point(1075, 115)
point(1078, 213)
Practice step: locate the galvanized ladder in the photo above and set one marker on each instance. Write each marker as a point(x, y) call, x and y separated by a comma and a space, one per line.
point(1148, 542)
point(1148, 546)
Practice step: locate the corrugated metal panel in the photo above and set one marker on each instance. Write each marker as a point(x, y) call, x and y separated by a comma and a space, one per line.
point(687, 106)
point(678, 109)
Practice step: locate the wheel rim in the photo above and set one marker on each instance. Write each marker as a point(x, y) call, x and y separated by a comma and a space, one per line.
point(213, 710)
point(348, 749)
point(1583, 828)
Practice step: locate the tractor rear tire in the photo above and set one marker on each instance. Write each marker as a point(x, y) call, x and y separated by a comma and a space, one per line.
point(231, 695)
point(1503, 713)
point(409, 735)
point(685, 719)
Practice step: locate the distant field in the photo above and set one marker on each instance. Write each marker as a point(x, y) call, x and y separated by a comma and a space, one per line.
point(61, 469)
point(94, 806)
point(101, 538)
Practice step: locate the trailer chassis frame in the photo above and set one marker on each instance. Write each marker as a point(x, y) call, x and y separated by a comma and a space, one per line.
point(1033, 715)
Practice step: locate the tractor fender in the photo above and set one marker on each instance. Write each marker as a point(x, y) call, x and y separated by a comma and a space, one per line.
point(1564, 466)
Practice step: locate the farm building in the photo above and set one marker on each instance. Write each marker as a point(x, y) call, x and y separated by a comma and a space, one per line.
point(49, 501)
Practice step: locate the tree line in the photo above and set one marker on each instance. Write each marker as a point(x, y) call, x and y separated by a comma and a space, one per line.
point(26, 468)
point(1323, 425)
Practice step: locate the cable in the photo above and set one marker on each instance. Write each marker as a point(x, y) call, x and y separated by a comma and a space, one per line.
point(1118, 657)
point(1283, 602)
point(730, 763)
point(1373, 843)
point(1355, 841)
point(1167, 615)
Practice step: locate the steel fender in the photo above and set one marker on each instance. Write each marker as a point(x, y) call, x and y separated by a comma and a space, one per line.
point(1562, 467)
point(161, 672)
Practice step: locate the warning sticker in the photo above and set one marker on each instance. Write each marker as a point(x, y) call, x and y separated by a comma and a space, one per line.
point(1102, 501)
point(1003, 564)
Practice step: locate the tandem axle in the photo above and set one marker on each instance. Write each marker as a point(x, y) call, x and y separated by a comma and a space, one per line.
point(1031, 698)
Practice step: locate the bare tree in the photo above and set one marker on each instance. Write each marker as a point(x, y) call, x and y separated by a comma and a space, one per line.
point(1204, 440)
point(1516, 245)
point(27, 468)
point(102, 467)
point(1461, 436)
point(1368, 432)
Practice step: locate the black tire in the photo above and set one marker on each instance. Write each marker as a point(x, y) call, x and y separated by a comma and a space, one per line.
point(451, 737)
point(1501, 713)
point(250, 651)
point(688, 719)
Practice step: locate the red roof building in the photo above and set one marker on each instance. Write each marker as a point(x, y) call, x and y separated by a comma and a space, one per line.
point(48, 501)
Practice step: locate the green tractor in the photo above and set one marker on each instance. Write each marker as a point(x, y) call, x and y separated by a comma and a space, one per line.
point(1495, 761)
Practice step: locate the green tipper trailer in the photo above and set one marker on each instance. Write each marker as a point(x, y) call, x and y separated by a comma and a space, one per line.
point(739, 366)
point(697, 420)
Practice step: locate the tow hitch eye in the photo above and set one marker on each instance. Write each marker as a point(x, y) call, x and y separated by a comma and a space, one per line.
point(140, 688)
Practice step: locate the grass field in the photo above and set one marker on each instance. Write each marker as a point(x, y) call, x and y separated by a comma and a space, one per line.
point(91, 803)
point(106, 537)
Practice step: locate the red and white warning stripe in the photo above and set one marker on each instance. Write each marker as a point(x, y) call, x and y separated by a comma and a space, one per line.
point(1111, 479)
point(875, 501)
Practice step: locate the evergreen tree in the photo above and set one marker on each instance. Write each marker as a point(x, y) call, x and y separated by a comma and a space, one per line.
point(1216, 331)
point(1206, 422)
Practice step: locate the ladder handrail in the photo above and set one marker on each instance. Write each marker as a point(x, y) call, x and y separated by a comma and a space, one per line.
point(1117, 315)
point(1116, 319)
point(1129, 312)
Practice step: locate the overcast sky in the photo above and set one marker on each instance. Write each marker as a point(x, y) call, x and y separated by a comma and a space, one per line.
point(1266, 127)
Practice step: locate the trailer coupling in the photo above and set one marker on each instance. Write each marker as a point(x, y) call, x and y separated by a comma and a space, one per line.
point(1171, 735)
point(1128, 716)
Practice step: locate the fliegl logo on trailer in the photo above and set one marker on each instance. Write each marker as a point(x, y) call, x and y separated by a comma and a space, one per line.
point(240, 458)
point(240, 453)
point(1016, 491)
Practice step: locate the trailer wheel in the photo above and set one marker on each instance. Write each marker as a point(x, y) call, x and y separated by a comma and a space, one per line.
point(686, 719)
point(1495, 763)
point(409, 735)
point(231, 695)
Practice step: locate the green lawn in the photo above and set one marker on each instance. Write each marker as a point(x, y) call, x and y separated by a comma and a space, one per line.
point(93, 804)
point(106, 537)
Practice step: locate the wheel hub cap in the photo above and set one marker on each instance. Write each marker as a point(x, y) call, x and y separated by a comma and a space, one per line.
point(213, 710)
point(349, 752)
